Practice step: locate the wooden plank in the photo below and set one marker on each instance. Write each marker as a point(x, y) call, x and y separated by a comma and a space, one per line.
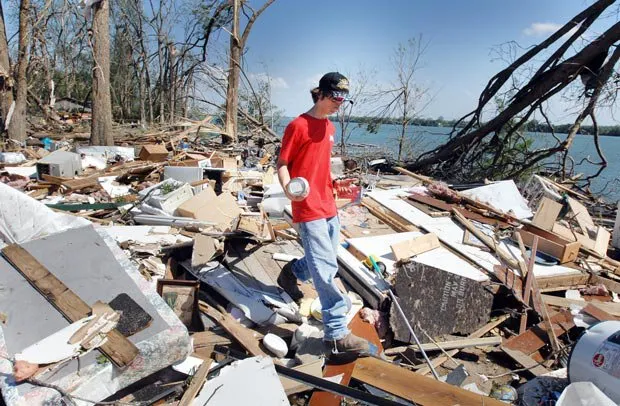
point(118, 348)
point(601, 243)
point(563, 282)
point(526, 361)
point(536, 337)
point(414, 387)
point(598, 313)
point(489, 242)
point(312, 368)
point(425, 370)
point(361, 329)
point(205, 341)
point(529, 280)
point(547, 213)
point(409, 248)
point(386, 215)
point(581, 215)
point(468, 214)
point(246, 337)
point(198, 379)
point(449, 345)
point(609, 307)
point(569, 235)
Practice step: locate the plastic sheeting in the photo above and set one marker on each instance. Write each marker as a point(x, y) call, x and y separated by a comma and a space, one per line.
point(23, 219)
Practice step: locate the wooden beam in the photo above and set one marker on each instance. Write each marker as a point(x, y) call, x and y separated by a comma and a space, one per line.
point(198, 379)
point(409, 248)
point(489, 242)
point(118, 348)
point(523, 359)
point(246, 337)
point(610, 307)
point(425, 370)
point(449, 345)
point(529, 280)
point(415, 387)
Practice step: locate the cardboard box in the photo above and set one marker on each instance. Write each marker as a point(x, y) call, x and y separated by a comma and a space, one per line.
point(153, 153)
point(224, 163)
point(207, 206)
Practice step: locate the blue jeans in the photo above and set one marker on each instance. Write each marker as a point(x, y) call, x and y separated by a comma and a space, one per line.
point(320, 239)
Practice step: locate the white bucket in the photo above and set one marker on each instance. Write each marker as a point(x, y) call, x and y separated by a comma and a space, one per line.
point(596, 358)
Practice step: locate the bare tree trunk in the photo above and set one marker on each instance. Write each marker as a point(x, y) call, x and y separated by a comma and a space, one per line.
point(142, 97)
point(232, 91)
point(17, 125)
point(101, 125)
point(6, 82)
point(160, 54)
point(171, 84)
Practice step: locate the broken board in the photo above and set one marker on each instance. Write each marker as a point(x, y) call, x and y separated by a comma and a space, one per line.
point(420, 389)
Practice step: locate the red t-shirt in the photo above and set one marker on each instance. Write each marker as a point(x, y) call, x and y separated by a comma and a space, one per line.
point(306, 150)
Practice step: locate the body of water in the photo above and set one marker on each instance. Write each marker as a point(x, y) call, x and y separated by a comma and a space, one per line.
point(422, 139)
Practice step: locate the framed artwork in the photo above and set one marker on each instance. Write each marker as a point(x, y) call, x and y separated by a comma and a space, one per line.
point(181, 296)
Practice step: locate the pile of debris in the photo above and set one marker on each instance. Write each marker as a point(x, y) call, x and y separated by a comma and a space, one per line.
point(147, 274)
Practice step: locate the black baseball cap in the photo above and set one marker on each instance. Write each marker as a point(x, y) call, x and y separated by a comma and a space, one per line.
point(334, 82)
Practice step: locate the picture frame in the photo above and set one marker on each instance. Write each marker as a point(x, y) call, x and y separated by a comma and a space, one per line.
point(182, 297)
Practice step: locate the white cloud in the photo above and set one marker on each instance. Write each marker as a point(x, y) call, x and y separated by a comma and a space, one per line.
point(276, 82)
point(538, 29)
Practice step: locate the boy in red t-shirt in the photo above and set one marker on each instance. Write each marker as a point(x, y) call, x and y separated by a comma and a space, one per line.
point(306, 153)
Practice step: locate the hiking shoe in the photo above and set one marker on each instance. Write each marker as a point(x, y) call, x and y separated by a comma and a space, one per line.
point(288, 281)
point(349, 345)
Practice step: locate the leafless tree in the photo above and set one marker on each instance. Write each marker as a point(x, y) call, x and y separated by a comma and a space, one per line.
point(478, 147)
point(406, 97)
point(361, 95)
point(238, 42)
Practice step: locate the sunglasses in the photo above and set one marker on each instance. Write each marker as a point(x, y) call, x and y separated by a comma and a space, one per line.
point(339, 97)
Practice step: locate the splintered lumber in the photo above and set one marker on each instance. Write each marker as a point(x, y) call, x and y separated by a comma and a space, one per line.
point(118, 348)
point(531, 365)
point(489, 242)
point(525, 347)
point(414, 387)
point(540, 307)
point(442, 205)
point(425, 370)
point(409, 248)
point(424, 179)
point(529, 280)
point(198, 379)
point(361, 329)
point(449, 345)
point(396, 222)
point(246, 337)
point(593, 310)
point(609, 307)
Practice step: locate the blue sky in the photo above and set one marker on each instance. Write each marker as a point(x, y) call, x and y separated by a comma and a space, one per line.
point(297, 41)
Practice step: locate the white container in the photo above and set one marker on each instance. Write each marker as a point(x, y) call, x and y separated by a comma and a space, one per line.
point(298, 187)
point(596, 358)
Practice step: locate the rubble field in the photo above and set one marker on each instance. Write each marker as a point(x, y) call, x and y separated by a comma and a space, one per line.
point(145, 273)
